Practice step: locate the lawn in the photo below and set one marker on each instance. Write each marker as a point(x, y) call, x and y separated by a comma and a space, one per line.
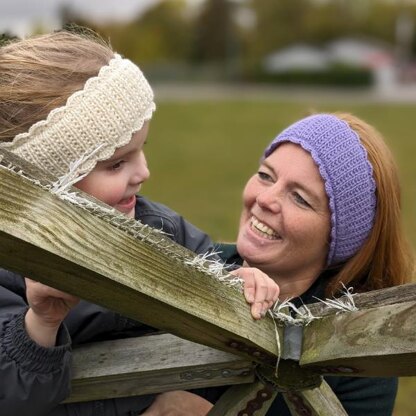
point(201, 153)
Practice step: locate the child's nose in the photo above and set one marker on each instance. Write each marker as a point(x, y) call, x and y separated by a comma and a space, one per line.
point(141, 171)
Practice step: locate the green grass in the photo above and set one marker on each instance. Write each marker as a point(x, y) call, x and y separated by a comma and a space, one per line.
point(201, 154)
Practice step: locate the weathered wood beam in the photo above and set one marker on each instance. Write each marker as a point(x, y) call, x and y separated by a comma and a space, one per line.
point(133, 366)
point(320, 401)
point(151, 364)
point(245, 400)
point(371, 342)
point(373, 299)
point(68, 248)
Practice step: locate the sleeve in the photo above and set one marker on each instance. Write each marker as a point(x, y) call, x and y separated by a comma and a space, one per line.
point(363, 396)
point(191, 237)
point(33, 379)
point(174, 225)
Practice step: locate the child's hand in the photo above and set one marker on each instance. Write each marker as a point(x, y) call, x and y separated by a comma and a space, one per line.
point(48, 307)
point(259, 290)
point(178, 403)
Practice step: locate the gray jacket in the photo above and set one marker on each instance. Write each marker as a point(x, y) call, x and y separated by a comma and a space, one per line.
point(34, 379)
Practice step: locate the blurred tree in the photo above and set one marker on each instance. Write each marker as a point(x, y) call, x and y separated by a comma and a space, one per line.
point(331, 20)
point(338, 18)
point(214, 32)
point(380, 21)
point(279, 23)
point(160, 35)
point(168, 33)
point(7, 37)
point(73, 21)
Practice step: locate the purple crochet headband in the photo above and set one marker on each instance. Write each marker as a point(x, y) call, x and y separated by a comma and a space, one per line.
point(347, 174)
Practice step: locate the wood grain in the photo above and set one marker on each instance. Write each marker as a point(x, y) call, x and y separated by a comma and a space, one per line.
point(151, 364)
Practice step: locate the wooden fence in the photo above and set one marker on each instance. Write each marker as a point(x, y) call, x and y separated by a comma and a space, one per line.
point(212, 339)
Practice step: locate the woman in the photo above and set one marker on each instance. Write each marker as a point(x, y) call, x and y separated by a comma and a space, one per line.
point(323, 211)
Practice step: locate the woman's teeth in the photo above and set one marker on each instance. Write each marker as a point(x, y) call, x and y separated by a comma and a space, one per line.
point(262, 229)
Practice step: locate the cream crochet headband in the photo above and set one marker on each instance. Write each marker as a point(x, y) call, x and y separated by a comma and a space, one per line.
point(95, 120)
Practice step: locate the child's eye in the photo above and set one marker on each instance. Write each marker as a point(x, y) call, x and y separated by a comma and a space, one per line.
point(117, 165)
point(301, 200)
point(264, 176)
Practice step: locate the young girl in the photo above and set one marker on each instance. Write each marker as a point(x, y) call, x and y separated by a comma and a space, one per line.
point(67, 98)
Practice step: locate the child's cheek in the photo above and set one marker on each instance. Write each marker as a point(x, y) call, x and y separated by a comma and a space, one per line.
point(110, 193)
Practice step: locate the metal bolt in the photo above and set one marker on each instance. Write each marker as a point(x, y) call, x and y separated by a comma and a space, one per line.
point(345, 369)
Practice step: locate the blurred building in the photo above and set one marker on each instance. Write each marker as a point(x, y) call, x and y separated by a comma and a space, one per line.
point(299, 56)
point(371, 55)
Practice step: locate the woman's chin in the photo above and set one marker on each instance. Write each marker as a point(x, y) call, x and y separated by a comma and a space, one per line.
point(252, 254)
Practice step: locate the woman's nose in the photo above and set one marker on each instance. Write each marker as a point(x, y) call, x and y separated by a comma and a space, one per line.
point(269, 199)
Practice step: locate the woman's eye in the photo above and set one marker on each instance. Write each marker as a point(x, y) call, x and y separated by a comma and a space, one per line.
point(264, 176)
point(301, 200)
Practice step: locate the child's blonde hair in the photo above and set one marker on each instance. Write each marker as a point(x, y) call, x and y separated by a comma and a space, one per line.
point(38, 74)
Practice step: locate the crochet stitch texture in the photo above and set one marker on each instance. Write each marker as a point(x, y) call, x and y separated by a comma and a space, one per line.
point(95, 120)
point(348, 177)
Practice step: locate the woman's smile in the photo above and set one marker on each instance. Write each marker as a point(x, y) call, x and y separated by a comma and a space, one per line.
point(262, 229)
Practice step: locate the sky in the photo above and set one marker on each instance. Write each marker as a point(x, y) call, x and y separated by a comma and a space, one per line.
point(19, 16)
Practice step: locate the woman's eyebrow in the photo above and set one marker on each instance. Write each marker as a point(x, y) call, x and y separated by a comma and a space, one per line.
point(310, 192)
point(316, 198)
point(266, 164)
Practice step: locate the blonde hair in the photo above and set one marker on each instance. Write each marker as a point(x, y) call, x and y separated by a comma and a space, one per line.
point(38, 74)
point(386, 258)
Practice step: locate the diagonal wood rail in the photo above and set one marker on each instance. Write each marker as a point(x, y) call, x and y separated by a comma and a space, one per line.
point(63, 246)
